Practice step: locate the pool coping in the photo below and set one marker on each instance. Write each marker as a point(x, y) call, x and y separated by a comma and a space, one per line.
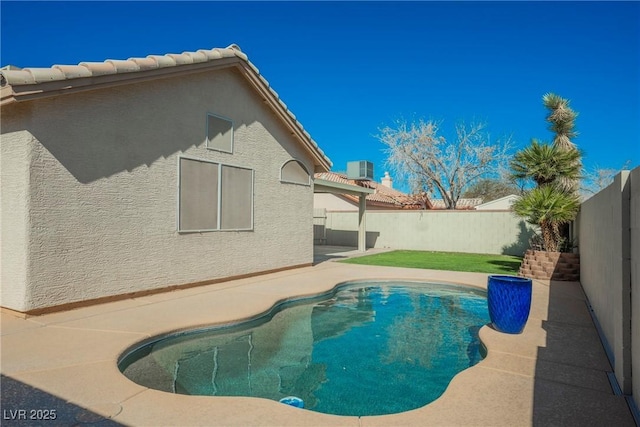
point(554, 372)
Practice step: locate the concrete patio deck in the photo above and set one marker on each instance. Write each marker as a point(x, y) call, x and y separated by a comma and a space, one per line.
point(554, 373)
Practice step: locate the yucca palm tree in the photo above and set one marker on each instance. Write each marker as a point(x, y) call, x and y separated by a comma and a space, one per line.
point(549, 207)
point(556, 169)
point(562, 119)
point(562, 122)
point(545, 163)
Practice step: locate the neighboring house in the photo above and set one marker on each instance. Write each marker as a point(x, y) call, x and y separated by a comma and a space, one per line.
point(384, 196)
point(501, 204)
point(463, 204)
point(135, 176)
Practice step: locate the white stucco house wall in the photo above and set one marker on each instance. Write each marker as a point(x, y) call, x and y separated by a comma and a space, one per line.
point(121, 178)
point(502, 204)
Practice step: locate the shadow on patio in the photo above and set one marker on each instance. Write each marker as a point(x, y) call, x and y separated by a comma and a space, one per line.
point(571, 384)
point(24, 405)
point(322, 253)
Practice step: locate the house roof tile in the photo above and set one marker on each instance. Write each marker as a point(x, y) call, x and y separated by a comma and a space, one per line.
point(18, 76)
point(31, 82)
point(461, 204)
point(47, 74)
point(95, 68)
point(73, 71)
point(383, 196)
point(392, 198)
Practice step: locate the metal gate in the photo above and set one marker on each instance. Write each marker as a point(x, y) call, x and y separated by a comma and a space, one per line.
point(319, 226)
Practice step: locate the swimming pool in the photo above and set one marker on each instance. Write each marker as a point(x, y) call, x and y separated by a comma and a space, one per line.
point(363, 349)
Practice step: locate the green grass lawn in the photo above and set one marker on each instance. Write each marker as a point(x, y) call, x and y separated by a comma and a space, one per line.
point(480, 263)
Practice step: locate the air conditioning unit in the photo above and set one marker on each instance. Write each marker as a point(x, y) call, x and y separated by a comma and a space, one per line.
point(360, 170)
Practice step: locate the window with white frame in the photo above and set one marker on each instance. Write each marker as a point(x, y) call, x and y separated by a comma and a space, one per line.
point(214, 196)
point(294, 172)
point(219, 133)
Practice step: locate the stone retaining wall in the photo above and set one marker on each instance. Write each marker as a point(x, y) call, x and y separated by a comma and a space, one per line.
point(551, 265)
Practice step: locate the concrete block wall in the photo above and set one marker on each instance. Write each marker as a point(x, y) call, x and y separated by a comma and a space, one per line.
point(634, 246)
point(488, 232)
point(609, 245)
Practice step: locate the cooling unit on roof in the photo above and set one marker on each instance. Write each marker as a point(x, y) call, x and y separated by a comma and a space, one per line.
point(360, 170)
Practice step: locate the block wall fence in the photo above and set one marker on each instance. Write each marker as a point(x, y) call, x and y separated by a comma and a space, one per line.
point(488, 232)
point(608, 228)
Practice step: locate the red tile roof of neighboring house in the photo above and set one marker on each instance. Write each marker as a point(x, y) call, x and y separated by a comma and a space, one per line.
point(390, 198)
point(24, 84)
point(384, 197)
point(461, 205)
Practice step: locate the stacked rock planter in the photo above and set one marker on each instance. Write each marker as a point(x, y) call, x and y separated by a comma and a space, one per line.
point(551, 265)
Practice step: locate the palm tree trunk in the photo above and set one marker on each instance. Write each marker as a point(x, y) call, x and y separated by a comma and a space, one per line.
point(548, 235)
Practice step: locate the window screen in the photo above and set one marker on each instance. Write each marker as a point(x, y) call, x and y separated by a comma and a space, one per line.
point(236, 198)
point(198, 195)
point(219, 133)
point(214, 197)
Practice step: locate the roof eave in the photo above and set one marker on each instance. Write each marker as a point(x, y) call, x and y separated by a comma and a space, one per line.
point(7, 96)
point(322, 162)
point(47, 89)
point(323, 185)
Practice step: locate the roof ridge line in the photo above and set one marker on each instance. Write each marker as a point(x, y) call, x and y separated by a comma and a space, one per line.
point(12, 75)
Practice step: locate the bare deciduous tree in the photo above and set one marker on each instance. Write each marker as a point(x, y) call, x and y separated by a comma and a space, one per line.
point(431, 164)
point(596, 179)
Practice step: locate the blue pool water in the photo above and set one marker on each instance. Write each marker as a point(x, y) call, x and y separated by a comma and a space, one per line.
point(364, 349)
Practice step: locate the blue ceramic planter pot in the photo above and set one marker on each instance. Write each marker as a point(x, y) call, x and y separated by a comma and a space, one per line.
point(509, 300)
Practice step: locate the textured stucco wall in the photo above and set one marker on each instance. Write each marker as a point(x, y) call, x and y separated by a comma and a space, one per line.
point(331, 202)
point(502, 204)
point(605, 270)
point(15, 157)
point(634, 241)
point(461, 231)
point(102, 196)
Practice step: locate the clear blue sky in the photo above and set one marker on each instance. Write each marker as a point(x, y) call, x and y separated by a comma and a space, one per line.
point(346, 69)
